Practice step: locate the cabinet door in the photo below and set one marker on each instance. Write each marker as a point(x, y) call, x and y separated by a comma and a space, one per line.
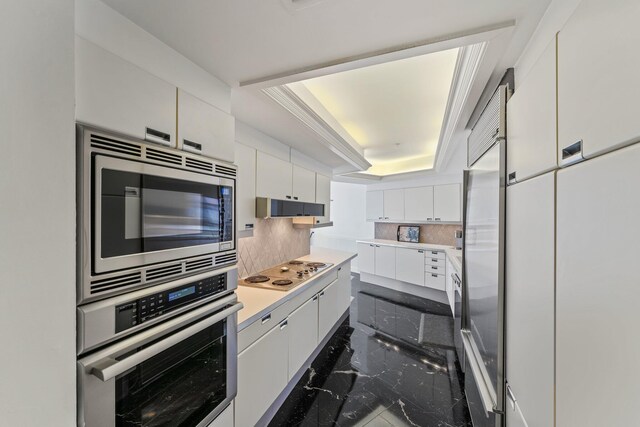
point(410, 265)
point(225, 419)
point(263, 372)
point(375, 205)
point(344, 283)
point(304, 185)
point(328, 309)
point(531, 120)
point(514, 416)
point(418, 204)
point(303, 334)
point(203, 124)
point(245, 187)
point(385, 264)
point(323, 195)
point(530, 293)
point(600, 40)
point(393, 204)
point(449, 286)
point(446, 203)
point(597, 291)
point(273, 177)
point(367, 258)
point(114, 94)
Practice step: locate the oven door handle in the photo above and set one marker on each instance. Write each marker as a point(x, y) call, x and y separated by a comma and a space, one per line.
point(109, 368)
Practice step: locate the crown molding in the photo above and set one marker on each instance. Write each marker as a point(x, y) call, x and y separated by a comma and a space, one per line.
point(328, 136)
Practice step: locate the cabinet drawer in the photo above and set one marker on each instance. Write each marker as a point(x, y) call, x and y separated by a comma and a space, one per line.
point(254, 331)
point(431, 260)
point(435, 281)
point(434, 254)
point(435, 269)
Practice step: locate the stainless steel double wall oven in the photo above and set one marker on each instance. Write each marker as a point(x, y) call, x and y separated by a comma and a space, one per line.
point(157, 312)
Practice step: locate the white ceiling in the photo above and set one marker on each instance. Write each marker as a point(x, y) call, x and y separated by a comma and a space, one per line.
point(243, 40)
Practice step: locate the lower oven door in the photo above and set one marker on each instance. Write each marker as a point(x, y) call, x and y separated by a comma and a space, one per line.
point(180, 373)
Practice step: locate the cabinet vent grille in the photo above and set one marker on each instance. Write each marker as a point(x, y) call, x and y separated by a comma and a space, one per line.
point(163, 156)
point(110, 144)
point(490, 128)
point(224, 170)
point(199, 164)
point(226, 258)
point(163, 272)
point(116, 282)
point(199, 264)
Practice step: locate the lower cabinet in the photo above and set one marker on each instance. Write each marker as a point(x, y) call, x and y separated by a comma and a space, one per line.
point(410, 265)
point(263, 373)
point(333, 302)
point(449, 286)
point(385, 265)
point(225, 419)
point(435, 281)
point(303, 334)
point(367, 257)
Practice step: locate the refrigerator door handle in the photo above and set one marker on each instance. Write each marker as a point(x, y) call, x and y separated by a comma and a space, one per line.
point(487, 394)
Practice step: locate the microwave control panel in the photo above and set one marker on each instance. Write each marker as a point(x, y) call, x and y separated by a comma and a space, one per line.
point(146, 308)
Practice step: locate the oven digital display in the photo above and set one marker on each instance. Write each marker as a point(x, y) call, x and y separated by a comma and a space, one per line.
point(181, 293)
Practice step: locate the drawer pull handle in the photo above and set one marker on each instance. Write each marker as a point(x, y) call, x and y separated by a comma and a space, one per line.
point(266, 318)
point(434, 268)
point(420, 251)
point(434, 275)
point(434, 253)
point(157, 136)
point(284, 324)
point(434, 260)
point(321, 293)
point(315, 298)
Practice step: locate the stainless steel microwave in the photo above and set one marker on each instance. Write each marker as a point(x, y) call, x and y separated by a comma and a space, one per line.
point(148, 214)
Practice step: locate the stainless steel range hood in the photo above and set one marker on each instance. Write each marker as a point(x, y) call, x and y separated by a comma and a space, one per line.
point(274, 208)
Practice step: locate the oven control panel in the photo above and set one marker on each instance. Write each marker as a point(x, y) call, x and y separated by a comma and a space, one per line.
point(146, 308)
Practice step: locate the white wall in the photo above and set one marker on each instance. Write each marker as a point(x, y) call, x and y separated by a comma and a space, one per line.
point(37, 214)
point(348, 213)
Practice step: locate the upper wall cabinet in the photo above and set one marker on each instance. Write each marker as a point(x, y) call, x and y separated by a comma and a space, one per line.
point(446, 203)
point(304, 185)
point(531, 121)
point(393, 203)
point(375, 205)
point(203, 125)
point(418, 204)
point(114, 94)
point(273, 177)
point(245, 159)
point(598, 80)
point(323, 195)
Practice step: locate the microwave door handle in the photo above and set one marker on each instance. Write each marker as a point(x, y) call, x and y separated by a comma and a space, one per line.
point(109, 368)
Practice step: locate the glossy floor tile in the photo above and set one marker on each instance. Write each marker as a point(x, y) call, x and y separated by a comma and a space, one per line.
point(391, 363)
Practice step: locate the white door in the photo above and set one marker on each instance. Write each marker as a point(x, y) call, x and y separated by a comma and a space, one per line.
point(304, 185)
point(303, 334)
point(446, 203)
point(530, 293)
point(367, 258)
point(263, 372)
point(328, 309)
point(385, 264)
point(203, 124)
point(418, 204)
point(531, 120)
point(273, 177)
point(323, 195)
point(597, 291)
point(598, 80)
point(410, 265)
point(375, 205)
point(245, 187)
point(114, 94)
point(394, 204)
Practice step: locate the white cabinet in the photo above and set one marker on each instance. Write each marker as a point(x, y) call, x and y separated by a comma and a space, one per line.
point(393, 202)
point(446, 203)
point(225, 419)
point(344, 292)
point(598, 81)
point(410, 265)
point(323, 195)
point(367, 258)
point(531, 120)
point(263, 373)
point(304, 185)
point(273, 177)
point(449, 286)
point(418, 204)
point(514, 416)
point(303, 334)
point(375, 205)
point(385, 261)
point(328, 308)
point(114, 94)
point(435, 281)
point(597, 292)
point(203, 124)
point(530, 294)
point(245, 159)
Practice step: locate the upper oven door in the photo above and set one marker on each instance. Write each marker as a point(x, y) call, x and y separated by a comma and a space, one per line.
point(182, 372)
point(144, 214)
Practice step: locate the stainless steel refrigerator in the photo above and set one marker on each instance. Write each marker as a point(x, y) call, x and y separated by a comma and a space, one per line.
point(483, 256)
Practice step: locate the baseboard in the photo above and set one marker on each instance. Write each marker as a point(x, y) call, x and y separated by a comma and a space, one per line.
point(407, 288)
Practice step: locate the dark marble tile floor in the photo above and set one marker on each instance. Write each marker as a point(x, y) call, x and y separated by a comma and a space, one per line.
point(391, 363)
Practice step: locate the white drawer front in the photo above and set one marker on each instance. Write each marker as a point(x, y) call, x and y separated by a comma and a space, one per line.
point(435, 269)
point(435, 281)
point(434, 254)
point(429, 260)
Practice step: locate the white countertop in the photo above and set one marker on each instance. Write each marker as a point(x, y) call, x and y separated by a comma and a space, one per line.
point(427, 246)
point(455, 256)
point(258, 302)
